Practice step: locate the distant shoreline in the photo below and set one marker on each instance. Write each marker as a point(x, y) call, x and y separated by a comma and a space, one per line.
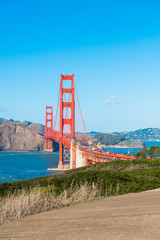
point(110, 146)
point(138, 144)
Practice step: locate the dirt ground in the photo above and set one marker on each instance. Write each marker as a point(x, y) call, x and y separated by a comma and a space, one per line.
point(127, 217)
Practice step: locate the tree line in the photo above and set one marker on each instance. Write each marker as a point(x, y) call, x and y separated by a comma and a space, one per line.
point(153, 152)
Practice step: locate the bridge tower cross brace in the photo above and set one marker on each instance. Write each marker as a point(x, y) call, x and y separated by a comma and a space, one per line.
point(64, 150)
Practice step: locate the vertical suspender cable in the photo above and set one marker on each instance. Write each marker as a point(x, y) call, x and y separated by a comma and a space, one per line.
point(81, 113)
point(57, 110)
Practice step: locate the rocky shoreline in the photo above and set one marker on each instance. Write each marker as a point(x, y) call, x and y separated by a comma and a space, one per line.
point(23, 137)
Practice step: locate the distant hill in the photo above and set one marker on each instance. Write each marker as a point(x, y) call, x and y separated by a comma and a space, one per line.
point(3, 121)
point(92, 133)
point(14, 137)
point(146, 134)
point(40, 128)
point(22, 136)
point(107, 139)
point(37, 127)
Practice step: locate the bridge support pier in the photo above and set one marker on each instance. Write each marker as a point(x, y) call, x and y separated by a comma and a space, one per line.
point(60, 165)
point(48, 145)
point(80, 160)
point(73, 155)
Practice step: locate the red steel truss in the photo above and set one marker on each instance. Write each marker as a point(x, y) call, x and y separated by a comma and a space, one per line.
point(67, 140)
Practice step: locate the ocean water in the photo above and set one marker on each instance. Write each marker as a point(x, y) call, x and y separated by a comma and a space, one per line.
point(123, 150)
point(15, 166)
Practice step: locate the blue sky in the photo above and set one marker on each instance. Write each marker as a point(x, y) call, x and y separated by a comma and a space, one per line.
point(112, 47)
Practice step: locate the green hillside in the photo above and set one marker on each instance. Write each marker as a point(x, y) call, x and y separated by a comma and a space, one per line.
point(147, 134)
point(108, 139)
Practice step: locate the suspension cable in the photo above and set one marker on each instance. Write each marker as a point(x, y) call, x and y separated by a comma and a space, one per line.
point(81, 113)
point(57, 110)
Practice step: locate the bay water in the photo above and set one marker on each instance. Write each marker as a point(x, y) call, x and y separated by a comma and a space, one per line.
point(15, 166)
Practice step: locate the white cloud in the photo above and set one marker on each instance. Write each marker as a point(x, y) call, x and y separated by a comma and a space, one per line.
point(111, 100)
point(2, 109)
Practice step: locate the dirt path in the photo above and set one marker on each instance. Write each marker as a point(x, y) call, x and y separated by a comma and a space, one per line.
point(128, 217)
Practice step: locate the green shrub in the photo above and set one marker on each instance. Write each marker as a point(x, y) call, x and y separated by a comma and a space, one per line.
point(109, 182)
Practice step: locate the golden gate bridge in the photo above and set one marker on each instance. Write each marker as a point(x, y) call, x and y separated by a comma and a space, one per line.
point(75, 147)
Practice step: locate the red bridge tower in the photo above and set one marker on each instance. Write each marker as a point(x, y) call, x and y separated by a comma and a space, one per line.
point(66, 119)
point(49, 129)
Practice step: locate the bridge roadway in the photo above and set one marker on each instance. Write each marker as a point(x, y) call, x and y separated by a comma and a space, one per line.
point(90, 152)
point(133, 216)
